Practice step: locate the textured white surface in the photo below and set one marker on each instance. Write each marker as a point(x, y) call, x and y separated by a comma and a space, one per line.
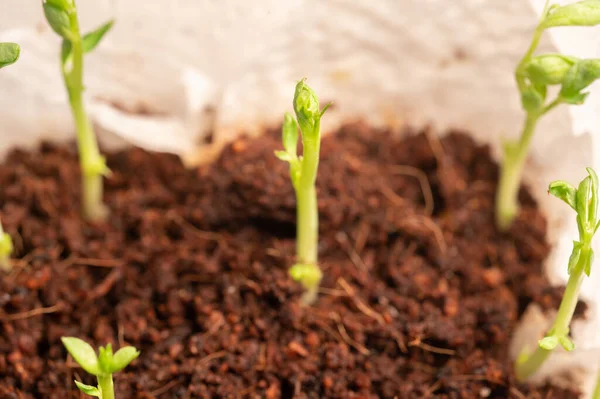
point(170, 71)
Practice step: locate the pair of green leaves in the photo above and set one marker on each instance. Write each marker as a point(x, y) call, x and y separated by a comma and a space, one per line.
point(9, 53)
point(105, 363)
point(583, 13)
point(573, 74)
point(584, 201)
point(58, 14)
point(551, 341)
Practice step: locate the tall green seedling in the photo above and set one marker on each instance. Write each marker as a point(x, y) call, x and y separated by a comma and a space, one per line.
point(303, 173)
point(584, 201)
point(62, 17)
point(103, 365)
point(9, 54)
point(534, 75)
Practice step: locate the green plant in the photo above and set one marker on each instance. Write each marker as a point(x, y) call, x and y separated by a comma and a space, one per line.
point(9, 53)
point(534, 74)
point(584, 200)
point(303, 173)
point(102, 366)
point(596, 393)
point(6, 249)
point(62, 17)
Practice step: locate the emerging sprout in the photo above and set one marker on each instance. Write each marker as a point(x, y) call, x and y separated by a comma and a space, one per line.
point(303, 173)
point(6, 249)
point(62, 18)
point(102, 366)
point(533, 75)
point(584, 200)
point(9, 54)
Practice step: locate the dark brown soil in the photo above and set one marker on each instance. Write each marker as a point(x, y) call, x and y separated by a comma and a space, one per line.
point(419, 299)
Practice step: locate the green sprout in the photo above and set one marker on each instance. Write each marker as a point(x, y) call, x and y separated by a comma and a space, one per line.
point(62, 17)
point(6, 249)
point(534, 74)
point(303, 173)
point(103, 366)
point(584, 200)
point(9, 54)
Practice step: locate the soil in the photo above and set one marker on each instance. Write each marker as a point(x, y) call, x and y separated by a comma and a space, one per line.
point(420, 297)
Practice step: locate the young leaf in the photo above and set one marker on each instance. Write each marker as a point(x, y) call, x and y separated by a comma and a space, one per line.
point(582, 200)
point(91, 40)
point(532, 99)
point(593, 204)
point(289, 132)
point(549, 343)
point(105, 355)
point(583, 13)
point(549, 69)
point(284, 156)
point(575, 255)
point(581, 75)
point(563, 191)
point(83, 354)
point(64, 5)
point(88, 389)
point(566, 343)
point(58, 20)
point(9, 53)
point(65, 51)
point(122, 358)
point(306, 107)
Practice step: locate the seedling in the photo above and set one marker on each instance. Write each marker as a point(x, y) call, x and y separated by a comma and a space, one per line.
point(6, 249)
point(534, 74)
point(62, 17)
point(303, 173)
point(584, 200)
point(102, 366)
point(9, 54)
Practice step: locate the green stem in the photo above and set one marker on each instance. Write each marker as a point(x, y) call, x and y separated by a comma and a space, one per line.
point(105, 383)
point(307, 239)
point(507, 204)
point(507, 201)
point(596, 394)
point(308, 224)
point(91, 161)
point(529, 366)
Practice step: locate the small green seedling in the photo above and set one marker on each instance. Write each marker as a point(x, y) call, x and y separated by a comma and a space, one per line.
point(62, 17)
point(9, 54)
point(303, 173)
point(584, 200)
point(6, 249)
point(534, 74)
point(102, 366)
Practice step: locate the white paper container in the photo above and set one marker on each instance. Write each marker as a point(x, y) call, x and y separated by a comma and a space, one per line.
point(193, 66)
